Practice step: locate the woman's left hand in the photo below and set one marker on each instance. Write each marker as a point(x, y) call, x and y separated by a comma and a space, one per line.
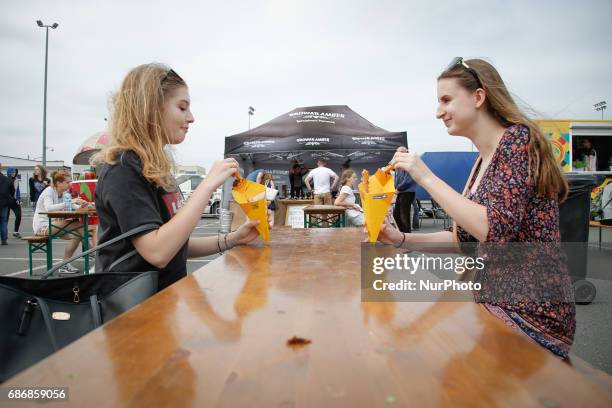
point(411, 163)
point(245, 233)
point(80, 202)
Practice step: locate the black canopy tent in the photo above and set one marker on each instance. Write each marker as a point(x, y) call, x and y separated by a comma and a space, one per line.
point(335, 133)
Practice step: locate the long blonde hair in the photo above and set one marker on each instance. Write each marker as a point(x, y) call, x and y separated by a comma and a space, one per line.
point(544, 168)
point(137, 123)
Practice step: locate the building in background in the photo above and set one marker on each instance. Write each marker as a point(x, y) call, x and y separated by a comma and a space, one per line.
point(184, 169)
point(26, 170)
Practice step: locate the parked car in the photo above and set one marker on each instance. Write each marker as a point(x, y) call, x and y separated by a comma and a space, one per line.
point(187, 183)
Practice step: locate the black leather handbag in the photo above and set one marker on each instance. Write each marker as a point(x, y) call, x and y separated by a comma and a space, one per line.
point(40, 316)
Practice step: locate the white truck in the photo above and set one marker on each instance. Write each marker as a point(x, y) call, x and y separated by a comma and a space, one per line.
point(187, 183)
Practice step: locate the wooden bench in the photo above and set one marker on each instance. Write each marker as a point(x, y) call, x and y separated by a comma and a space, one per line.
point(37, 243)
point(597, 224)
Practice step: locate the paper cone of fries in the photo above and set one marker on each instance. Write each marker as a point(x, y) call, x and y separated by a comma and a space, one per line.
point(377, 193)
point(252, 199)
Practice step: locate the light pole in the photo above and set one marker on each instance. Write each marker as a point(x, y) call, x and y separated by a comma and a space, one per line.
point(601, 106)
point(53, 26)
point(251, 113)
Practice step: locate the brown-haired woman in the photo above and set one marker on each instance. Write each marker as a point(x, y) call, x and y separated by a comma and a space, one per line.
point(38, 182)
point(512, 195)
point(52, 199)
point(346, 198)
point(136, 187)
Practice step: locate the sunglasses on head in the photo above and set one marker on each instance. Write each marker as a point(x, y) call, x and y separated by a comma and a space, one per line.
point(169, 73)
point(458, 61)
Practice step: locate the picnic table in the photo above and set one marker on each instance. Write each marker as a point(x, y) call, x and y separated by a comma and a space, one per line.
point(55, 232)
point(281, 324)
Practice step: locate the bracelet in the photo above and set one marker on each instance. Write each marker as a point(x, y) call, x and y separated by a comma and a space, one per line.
point(403, 240)
point(219, 243)
point(225, 240)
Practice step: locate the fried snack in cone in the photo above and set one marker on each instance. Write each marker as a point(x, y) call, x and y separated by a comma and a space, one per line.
point(377, 193)
point(252, 199)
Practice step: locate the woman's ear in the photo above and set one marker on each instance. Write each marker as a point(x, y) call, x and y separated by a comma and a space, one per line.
point(480, 96)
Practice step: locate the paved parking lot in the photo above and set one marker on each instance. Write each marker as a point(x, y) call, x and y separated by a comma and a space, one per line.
point(14, 256)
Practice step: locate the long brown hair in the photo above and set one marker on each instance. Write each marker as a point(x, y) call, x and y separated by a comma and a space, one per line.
point(265, 177)
point(544, 168)
point(137, 124)
point(43, 172)
point(346, 174)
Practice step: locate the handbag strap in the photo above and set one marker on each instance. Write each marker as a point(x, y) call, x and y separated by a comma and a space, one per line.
point(95, 311)
point(134, 231)
point(46, 314)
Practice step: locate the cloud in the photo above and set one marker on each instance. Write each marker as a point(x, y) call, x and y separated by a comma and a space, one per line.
point(380, 58)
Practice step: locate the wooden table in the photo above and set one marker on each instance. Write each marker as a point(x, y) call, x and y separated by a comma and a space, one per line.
point(83, 214)
point(283, 205)
point(218, 338)
point(324, 215)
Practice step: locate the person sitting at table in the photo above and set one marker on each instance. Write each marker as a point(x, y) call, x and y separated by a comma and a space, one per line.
point(268, 181)
point(152, 110)
point(512, 195)
point(346, 198)
point(52, 199)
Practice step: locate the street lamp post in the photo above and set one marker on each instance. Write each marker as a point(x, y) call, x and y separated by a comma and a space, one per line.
point(601, 106)
point(251, 113)
point(44, 150)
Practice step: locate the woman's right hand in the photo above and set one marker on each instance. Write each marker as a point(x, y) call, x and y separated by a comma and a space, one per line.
point(220, 171)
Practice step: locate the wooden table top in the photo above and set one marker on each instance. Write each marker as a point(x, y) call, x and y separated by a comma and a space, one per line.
point(70, 214)
point(598, 224)
point(291, 201)
point(324, 209)
point(219, 337)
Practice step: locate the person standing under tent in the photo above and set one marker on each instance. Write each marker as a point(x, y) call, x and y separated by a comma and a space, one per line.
point(325, 180)
point(406, 191)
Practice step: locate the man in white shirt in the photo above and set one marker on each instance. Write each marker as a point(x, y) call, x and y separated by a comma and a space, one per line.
point(323, 184)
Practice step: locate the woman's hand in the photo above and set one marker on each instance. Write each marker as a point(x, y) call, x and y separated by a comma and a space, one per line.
point(220, 171)
point(80, 202)
point(245, 234)
point(411, 163)
point(390, 235)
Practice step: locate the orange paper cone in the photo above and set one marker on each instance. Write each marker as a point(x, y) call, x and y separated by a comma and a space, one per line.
point(252, 199)
point(376, 193)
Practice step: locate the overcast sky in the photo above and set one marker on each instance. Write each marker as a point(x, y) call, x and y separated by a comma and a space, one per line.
point(380, 58)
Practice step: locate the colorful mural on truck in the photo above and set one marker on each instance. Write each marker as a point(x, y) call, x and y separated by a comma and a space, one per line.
point(558, 133)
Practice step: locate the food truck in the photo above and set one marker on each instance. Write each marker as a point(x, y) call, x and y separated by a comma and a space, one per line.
point(582, 145)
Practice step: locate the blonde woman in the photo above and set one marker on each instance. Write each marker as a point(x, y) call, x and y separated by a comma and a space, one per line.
point(152, 110)
point(346, 198)
point(52, 199)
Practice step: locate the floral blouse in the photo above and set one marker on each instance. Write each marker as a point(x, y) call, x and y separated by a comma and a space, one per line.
point(517, 214)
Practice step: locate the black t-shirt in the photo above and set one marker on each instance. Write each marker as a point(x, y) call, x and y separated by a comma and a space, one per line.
point(126, 200)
